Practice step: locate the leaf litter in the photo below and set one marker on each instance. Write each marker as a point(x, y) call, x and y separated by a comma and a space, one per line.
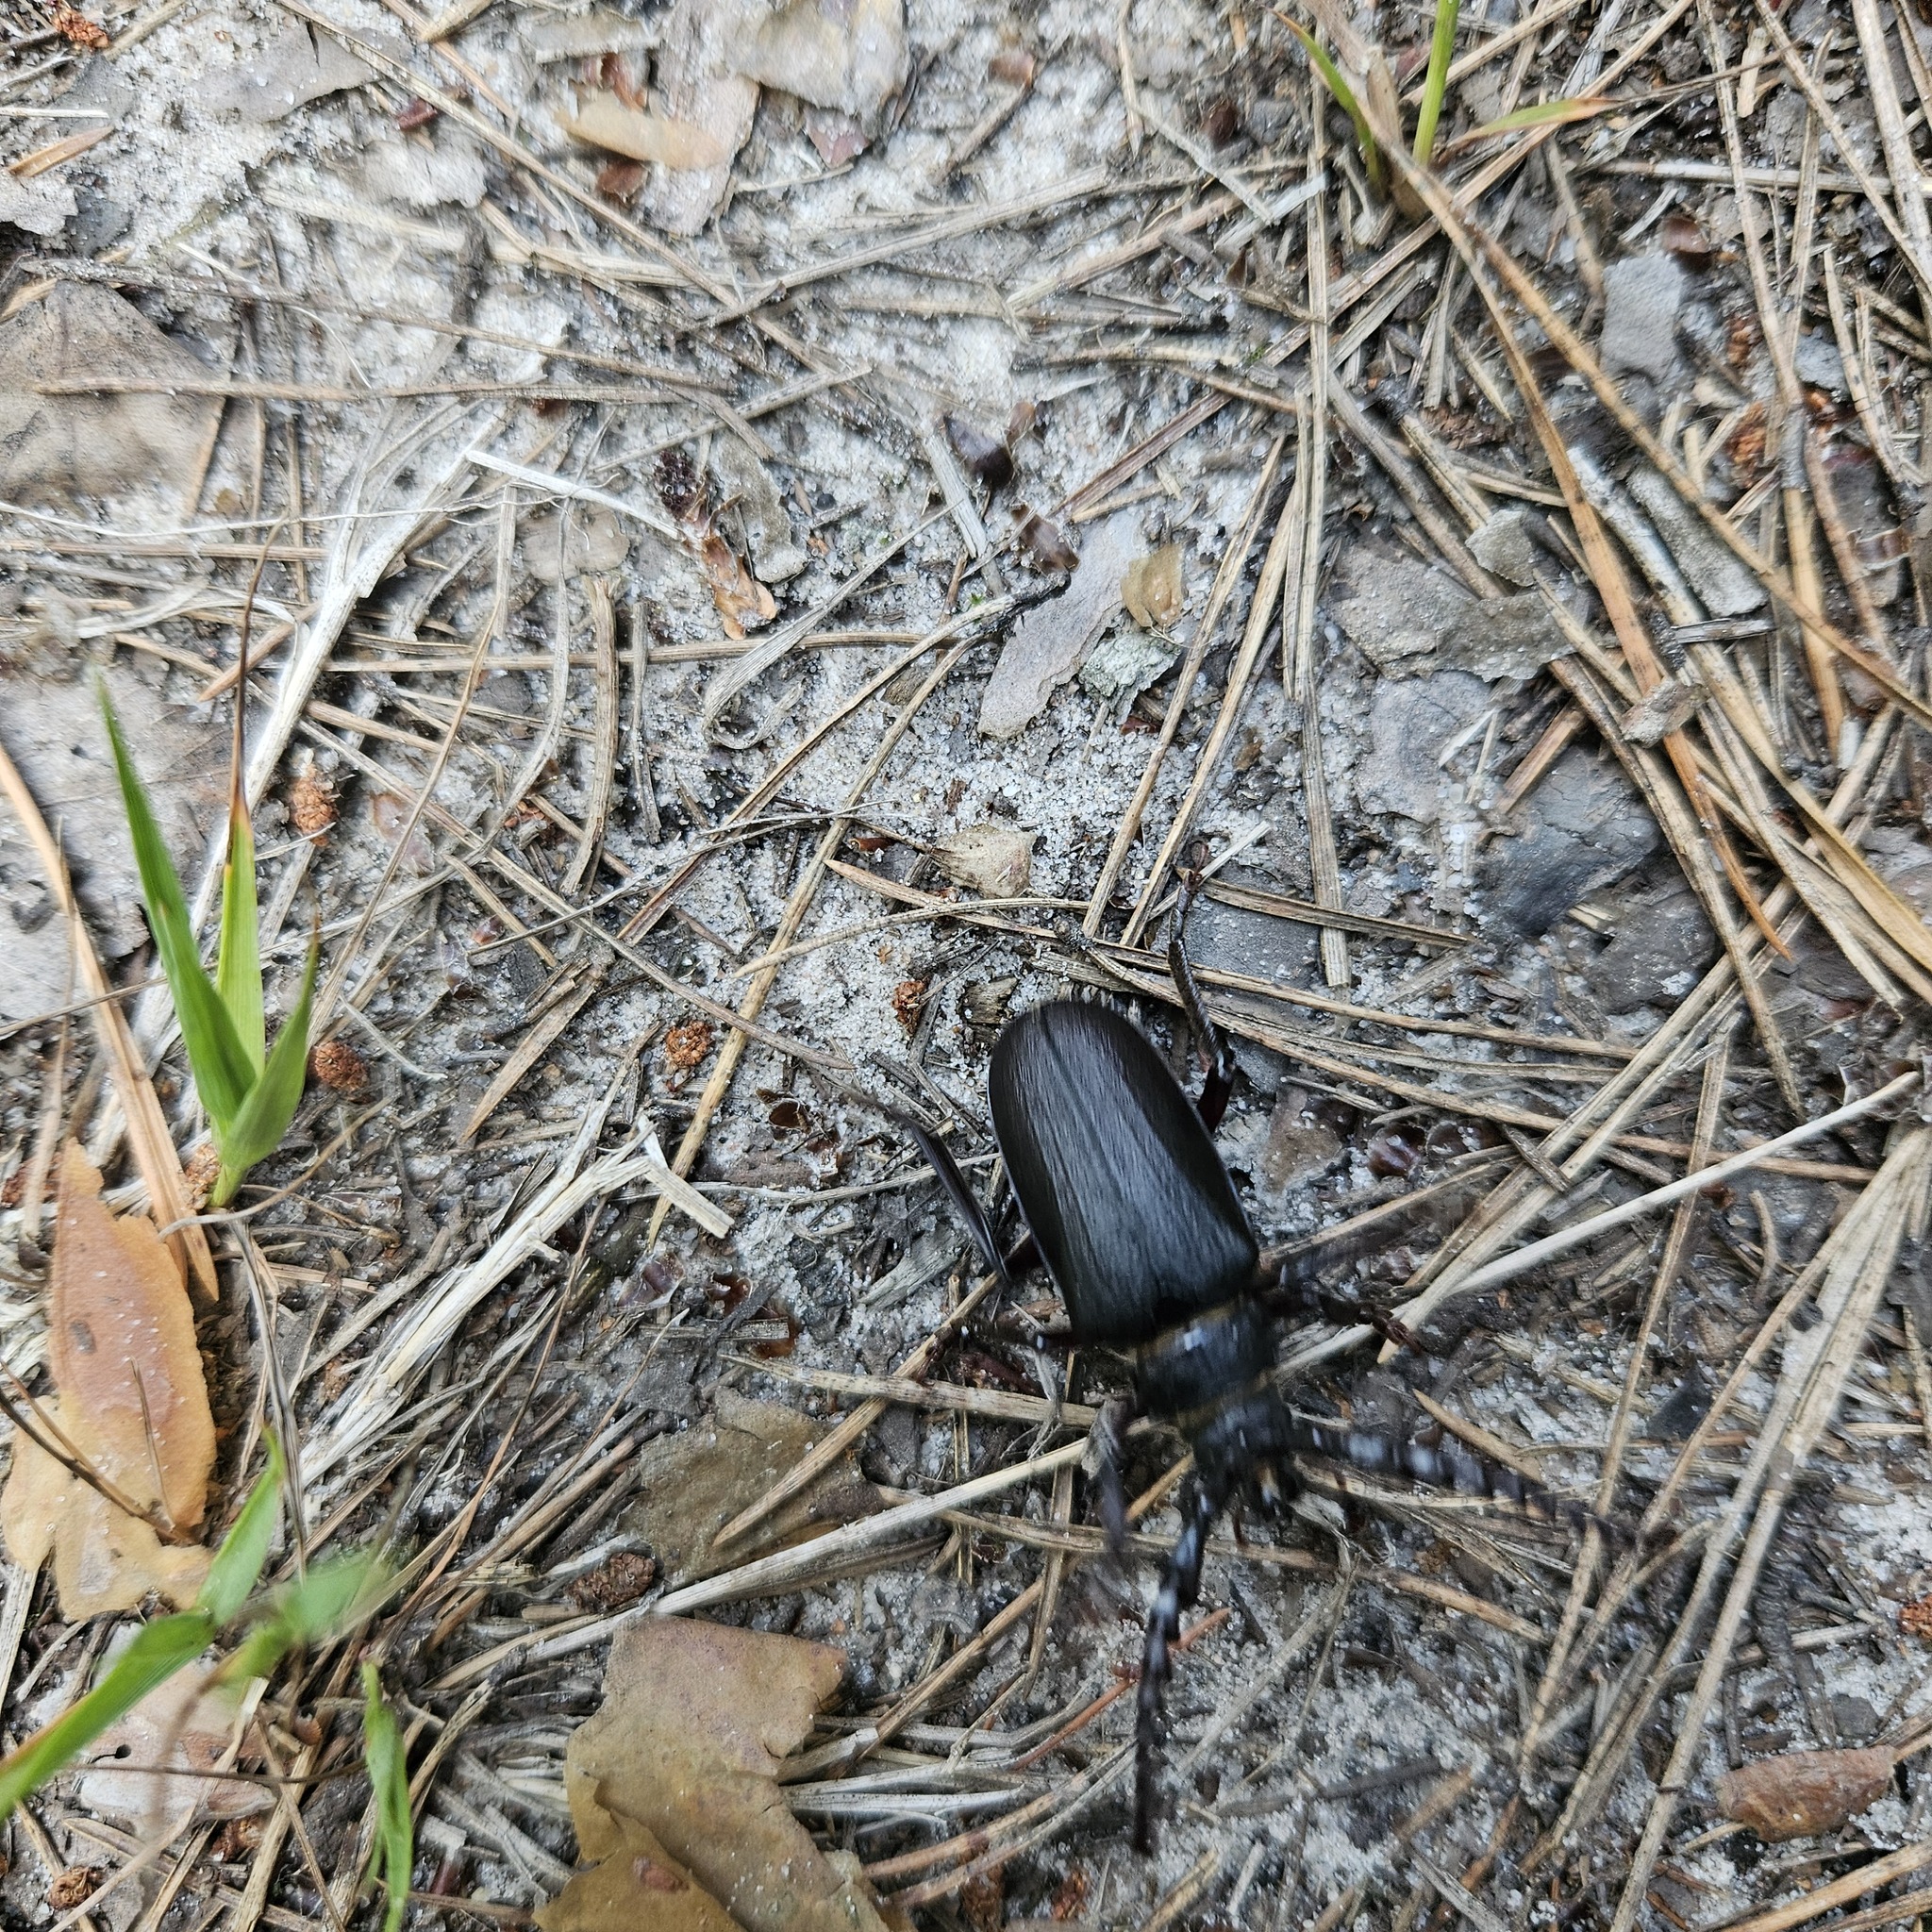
point(131, 1407)
point(672, 1789)
point(1494, 776)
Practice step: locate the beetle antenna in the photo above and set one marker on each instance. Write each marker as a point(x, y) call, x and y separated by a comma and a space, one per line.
point(1216, 1055)
point(1447, 1464)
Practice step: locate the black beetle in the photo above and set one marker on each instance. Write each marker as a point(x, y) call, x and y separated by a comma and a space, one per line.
point(1128, 1205)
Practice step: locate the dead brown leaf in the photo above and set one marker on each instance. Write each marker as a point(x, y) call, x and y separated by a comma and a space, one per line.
point(132, 1402)
point(1151, 589)
point(996, 860)
point(678, 1768)
point(692, 1485)
point(637, 1886)
point(1799, 1793)
point(605, 120)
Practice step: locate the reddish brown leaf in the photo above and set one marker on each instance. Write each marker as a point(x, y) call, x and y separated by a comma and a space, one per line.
point(1798, 1793)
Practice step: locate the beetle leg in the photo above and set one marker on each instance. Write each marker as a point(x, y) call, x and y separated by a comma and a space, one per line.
point(1446, 1464)
point(1180, 1586)
point(1104, 1457)
point(1216, 1055)
point(1298, 1295)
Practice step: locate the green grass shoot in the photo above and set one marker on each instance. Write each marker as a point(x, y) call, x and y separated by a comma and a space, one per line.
point(329, 1599)
point(1442, 46)
point(388, 1776)
point(1344, 96)
point(159, 1649)
point(250, 1096)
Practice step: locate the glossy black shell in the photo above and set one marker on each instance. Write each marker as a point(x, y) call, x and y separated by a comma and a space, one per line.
point(1117, 1179)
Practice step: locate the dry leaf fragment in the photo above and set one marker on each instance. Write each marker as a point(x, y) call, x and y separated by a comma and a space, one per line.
point(636, 1887)
point(184, 1725)
point(693, 1484)
point(909, 997)
point(605, 120)
point(1151, 589)
point(1044, 541)
point(679, 1766)
point(132, 1402)
point(695, 87)
point(741, 600)
point(1915, 1618)
point(1798, 1793)
point(985, 456)
point(995, 860)
point(1050, 641)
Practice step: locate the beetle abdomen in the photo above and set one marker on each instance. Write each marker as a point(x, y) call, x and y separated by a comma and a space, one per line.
point(1117, 1179)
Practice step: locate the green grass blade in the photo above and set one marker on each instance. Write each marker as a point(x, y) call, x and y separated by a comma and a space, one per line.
point(323, 1603)
point(270, 1104)
point(1442, 47)
point(222, 1073)
point(237, 965)
point(389, 1777)
point(158, 1650)
point(1539, 115)
point(237, 1567)
point(1344, 96)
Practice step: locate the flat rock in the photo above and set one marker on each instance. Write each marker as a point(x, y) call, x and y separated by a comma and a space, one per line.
point(299, 66)
point(445, 170)
point(1721, 583)
point(36, 206)
point(1584, 825)
point(1504, 547)
point(1658, 950)
point(1397, 608)
point(1503, 636)
point(1641, 295)
point(1411, 720)
point(1049, 643)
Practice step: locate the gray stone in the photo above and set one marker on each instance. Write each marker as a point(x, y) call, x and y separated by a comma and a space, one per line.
point(1123, 664)
point(1503, 636)
point(299, 66)
point(1411, 720)
point(1233, 939)
point(1296, 1151)
point(1816, 361)
point(36, 206)
point(1397, 607)
point(51, 727)
point(424, 173)
point(1584, 826)
point(1504, 547)
point(1642, 294)
point(1722, 584)
point(1658, 950)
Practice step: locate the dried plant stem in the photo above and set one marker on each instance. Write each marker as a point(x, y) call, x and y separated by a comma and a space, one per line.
point(1809, 1385)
